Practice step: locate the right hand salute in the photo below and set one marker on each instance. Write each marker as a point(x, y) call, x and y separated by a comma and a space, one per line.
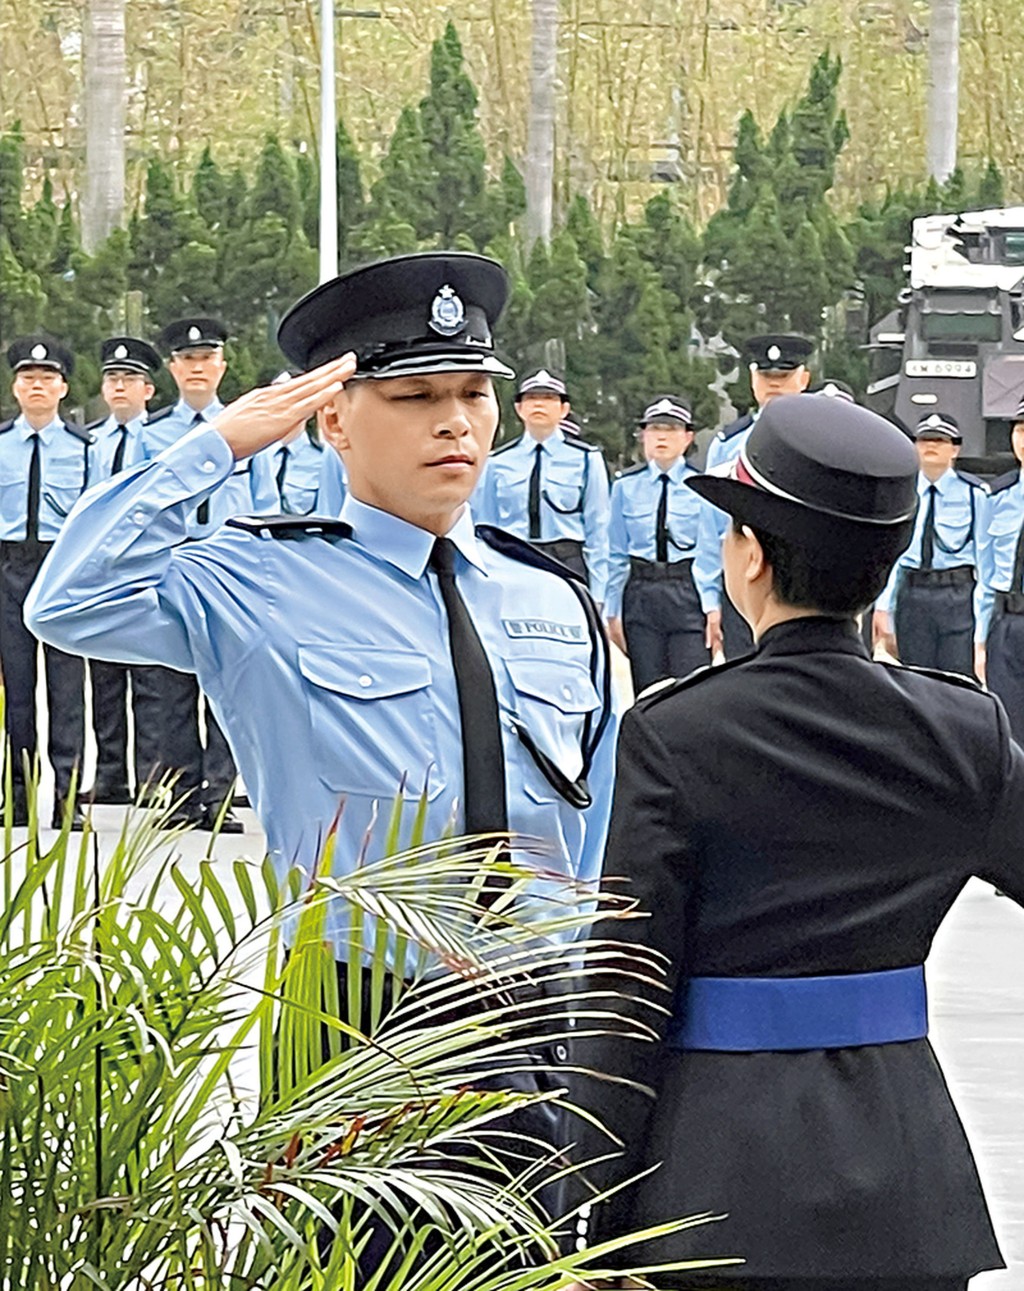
point(268, 413)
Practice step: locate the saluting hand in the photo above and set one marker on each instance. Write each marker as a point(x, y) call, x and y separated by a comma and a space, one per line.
point(267, 414)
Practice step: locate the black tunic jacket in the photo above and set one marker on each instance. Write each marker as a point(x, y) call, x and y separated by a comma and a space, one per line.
point(802, 811)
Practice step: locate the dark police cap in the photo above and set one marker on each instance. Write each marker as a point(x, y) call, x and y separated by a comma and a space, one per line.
point(833, 389)
point(542, 382)
point(778, 352)
point(411, 315)
point(193, 334)
point(40, 352)
point(129, 354)
point(939, 425)
point(834, 479)
point(668, 410)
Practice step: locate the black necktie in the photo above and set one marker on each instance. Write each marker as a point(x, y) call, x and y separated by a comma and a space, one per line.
point(483, 759)
point(119, 450)
point(203, 509)
point(282, 471)
point(32, 506)
point(661, 523)
point(535, 493)
point(928, 532)
point(1017, 585)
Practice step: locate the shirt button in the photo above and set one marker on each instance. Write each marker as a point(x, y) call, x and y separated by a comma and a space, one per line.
point(567, 692)
point(366, 680)
point(138, 517)
point(208, 467)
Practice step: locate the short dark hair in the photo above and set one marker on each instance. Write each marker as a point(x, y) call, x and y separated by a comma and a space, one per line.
point(845, 587)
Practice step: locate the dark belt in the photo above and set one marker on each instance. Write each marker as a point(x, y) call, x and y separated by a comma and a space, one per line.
point(961, 576)
point(559, 548)
point(657, 571)
point(1010, 602)
point(752, 1014)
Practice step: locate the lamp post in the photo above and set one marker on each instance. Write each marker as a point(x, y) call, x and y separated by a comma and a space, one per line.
point(328, 131)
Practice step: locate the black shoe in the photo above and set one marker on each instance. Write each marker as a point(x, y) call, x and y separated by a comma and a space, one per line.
point(77, 819)
point(19, 815)
point(230, 824)
point(112, 795)
point(241, 800)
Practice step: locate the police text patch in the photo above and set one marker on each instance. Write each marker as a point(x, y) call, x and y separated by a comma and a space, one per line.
point(543, 629)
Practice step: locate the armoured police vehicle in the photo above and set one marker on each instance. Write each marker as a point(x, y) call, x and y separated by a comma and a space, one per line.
point(955, 342)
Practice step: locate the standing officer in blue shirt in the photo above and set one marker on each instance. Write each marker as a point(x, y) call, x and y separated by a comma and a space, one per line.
point(332, 485)
point(778, 365)
point(999, 632)
point(654, 613)
point(295, 464)
point(44, 469)
point(396, 650)
point(129, 367)
point(932, 585)
point(549, 487)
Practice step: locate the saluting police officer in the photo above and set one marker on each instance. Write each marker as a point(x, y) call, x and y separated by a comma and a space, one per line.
point(44, 468)
point(933, 583)
point(827, 824)
point(129, 368)
point(549, 487)
point(206, 772)
point(778, 365)
point(654, 613)
point(396, 650)
point(999, 632)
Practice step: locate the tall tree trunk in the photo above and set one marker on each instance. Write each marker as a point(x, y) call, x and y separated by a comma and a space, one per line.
point(943, 87)
point(105, 94)
point(540, 134)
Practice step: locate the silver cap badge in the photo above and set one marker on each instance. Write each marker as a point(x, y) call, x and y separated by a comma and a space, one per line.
point(447, 312)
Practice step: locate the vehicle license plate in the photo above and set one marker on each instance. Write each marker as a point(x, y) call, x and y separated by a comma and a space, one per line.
point(940, 368)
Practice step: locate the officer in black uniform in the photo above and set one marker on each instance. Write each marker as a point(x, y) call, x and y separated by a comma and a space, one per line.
point(833, 809)
point(44, 468)
point(129, 367)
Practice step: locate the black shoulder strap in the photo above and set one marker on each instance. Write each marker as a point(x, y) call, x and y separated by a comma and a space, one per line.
point(1004, 482)
point(160, 414)
point(503, 448)
point(80, 432)
point(676, 685)
point(291, 527)
point(6, 425)
point(951, 678)
point(632, 470)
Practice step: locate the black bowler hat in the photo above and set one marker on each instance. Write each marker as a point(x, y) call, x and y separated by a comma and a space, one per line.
point(831, 477)
point(129, 354)
point(40, 352)
point(833, 390)
point(542, 382)
point(194, 334)
point(668, 410)
point(939, 425)
point(778, 352)
point(411, 315)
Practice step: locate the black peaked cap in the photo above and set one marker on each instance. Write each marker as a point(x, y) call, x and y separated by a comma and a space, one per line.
point(193, 334)
point(939, 425)
point(129, 354)
point(40, 352)
point(429, 312)
point(668, 410)
point(828, 475)
point(778, 351)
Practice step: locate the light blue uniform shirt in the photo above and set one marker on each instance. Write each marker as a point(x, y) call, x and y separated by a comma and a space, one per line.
point(300, 485)
point(103, 451)
point(960, 515)
point(573, 497)
point(1004, 516)
point(246, 491)
point(707, 562)
point(634, 511)
point(333, 483)
point(64, 473)
point(327, 660)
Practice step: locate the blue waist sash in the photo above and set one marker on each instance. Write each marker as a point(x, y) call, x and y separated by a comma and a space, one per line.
point(747, 1014)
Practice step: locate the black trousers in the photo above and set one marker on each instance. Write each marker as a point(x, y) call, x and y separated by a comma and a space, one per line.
point(935, 627)
point(169, 725)
point(1005, 665)
point(19, 658)
point(110, 687)
point(738, 638)
point(664, 628)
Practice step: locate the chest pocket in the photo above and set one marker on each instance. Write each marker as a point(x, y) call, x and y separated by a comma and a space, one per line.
point(956, 527)
point(555, 703)
point(565, 488)
point(65, 473)
point(371, 716)
point(1005, 523)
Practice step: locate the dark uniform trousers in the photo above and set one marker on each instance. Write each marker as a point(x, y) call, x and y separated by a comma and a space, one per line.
point(934, 619)
point(173, 744)
point(65, 676)
point(1005, 657)
point(109, 682)
point(663, 622)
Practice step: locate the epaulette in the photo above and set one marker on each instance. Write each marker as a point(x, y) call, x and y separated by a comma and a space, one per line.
point(291, 527)
point(581, 444)
point(975, 481)
point(503, 448)
point(95, 425)
point(80, 432)
point(675, 685)
point(160, 414)
point(953, 678)
point(1004, 482)
point(632, 470)
point(526, 553)
point(6, 425)
point(734, 428)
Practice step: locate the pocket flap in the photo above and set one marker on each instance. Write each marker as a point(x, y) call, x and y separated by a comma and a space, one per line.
point(565, 685)
point(364, 672)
